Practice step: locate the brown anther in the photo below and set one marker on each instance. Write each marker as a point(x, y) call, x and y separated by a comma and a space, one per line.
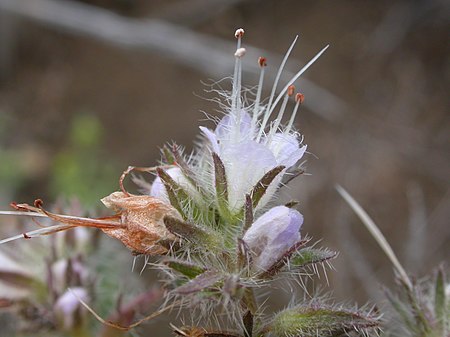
point(239, 33)
point(25, 236)
point(38, 203)
point(262, 61)
point(291, 90)
point(300, 98)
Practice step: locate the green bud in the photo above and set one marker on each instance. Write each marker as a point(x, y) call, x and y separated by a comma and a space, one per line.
point(308, 256)
point(305, 321)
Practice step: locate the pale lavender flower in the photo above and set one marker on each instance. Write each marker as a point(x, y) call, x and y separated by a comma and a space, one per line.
point(68, 307)
point(247, 143)
point(272, 235)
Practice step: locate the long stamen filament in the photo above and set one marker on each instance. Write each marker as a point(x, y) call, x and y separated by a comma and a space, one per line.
point(299, 98)
point(272, 94)
point(276, 124)
point(296, 76)
point(236, 95)
point(262, 64)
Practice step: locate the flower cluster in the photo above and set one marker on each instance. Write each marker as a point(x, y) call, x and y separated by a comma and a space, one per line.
point(214, 220)
point(34, 281)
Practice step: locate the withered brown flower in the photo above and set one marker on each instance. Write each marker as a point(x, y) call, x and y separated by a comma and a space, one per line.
point(143, 229)
point(138, 222)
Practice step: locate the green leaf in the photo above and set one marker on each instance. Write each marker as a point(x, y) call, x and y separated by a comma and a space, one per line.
point(291, 204)
point(184, 166)
point(221, 186)
point(190, 270)
point(316, 320)
point(248, 212)
point(191, 232)
point(168, 155)
point(308, 256)
point(401, 310)
point(282, 261)
point(177, 195)
point(440, 301)
point(261, 186)
point(248, 324)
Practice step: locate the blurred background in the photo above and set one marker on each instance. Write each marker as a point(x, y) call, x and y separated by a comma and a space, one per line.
point(90, 87)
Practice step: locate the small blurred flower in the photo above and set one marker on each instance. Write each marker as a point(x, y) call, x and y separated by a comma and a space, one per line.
point(272, 235)
point(69, 310)
point(34, 280)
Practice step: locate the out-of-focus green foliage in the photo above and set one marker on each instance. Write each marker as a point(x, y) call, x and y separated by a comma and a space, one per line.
point(82, 170)
point(11, 172)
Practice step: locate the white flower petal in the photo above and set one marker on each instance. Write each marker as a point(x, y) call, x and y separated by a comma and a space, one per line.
point(245, 164)
point(226, 129)
point(212, 138)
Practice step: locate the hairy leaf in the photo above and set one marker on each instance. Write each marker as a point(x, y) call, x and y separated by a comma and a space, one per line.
point(307, 256)
point(221, 185)
point(440, 301)
point(188, 269)
point(261, 186)
point(191, 232)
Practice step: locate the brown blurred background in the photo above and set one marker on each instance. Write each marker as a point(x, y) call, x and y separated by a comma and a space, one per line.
point(90, 87)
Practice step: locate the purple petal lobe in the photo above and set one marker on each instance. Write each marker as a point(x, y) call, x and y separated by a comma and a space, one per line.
point(286, 149)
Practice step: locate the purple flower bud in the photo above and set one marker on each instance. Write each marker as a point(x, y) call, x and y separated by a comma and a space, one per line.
point(272, 234)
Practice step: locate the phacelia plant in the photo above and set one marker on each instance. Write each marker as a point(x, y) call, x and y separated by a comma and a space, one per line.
point(215, 224)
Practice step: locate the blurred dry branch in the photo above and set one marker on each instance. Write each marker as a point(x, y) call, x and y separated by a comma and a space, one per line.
point(193, 12)
point(206, 53)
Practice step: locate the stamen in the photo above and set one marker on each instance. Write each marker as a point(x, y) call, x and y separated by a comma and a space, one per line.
point(277, 121)
point(236, 94)
point(262, 64)
point(272, 94)
point(239, 33)
point(296, 76)
point(299, 98)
